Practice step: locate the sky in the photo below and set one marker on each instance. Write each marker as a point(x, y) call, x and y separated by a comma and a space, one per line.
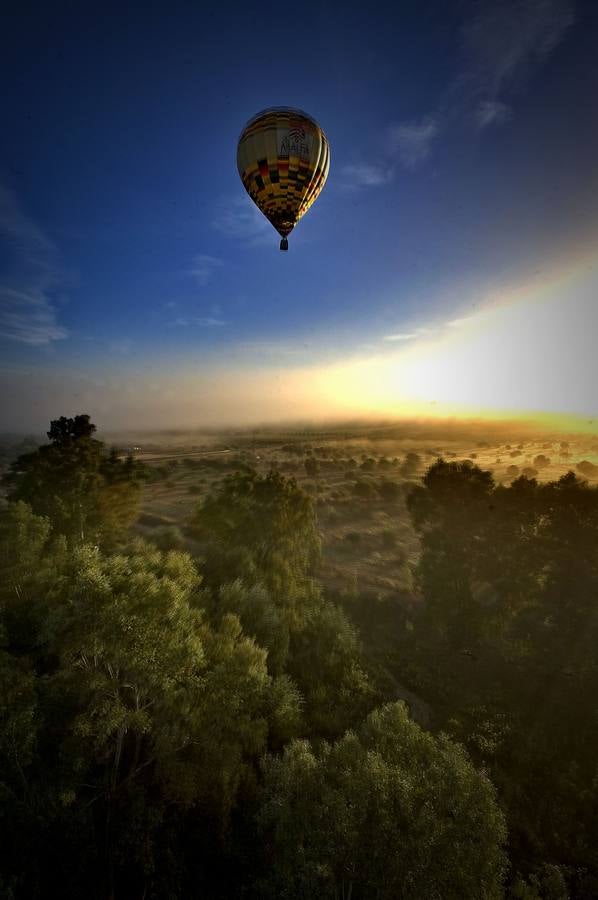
point(448, 268)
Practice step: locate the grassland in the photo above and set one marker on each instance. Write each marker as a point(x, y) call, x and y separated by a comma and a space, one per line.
point(368, 543)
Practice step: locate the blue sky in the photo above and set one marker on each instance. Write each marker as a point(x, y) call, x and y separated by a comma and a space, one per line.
point(136, 276)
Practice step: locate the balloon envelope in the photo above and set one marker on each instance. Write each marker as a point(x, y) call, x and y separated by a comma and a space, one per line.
point(283, 158)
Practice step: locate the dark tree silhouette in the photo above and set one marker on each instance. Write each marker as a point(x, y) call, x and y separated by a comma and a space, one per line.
point(87, 491)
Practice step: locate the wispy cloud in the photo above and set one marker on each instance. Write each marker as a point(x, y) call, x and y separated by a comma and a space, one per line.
point(204, 267)
point(412, 141)
point(32, 276)
point(492, 112)
point(407, 336)
point(502, 42)
point(240, 219)
point(201, 321)
point(366, 175)
point(465, 321)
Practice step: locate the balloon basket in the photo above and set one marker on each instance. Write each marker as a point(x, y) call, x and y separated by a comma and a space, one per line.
point(284, 244)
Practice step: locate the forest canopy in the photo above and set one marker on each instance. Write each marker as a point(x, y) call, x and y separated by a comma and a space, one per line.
point(211, 722)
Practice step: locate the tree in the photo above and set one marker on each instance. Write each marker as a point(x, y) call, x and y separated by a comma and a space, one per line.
point(325, 660)
point(504, 644)
point(365, 490)
point(88, 493)
point(64, 431)
point(312, 466)
point(125, 706)
point(260, 618)
point(411, 464)
point(449, 509)
point(389, 490)
point(389, 812)
point(261, 529)
point(31, 560)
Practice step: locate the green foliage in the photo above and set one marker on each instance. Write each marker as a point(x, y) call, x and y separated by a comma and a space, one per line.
point(365, 490)
point(125, 702)
point(261, 619)
point(389, 490)
point(260, 529)
point(137, 699)
point(327, 664)
point(389, 538)
point(312, 467)
point(31, 562)
point(504, 645)
point(167, 537)
point(88, 494)
point(389, 812)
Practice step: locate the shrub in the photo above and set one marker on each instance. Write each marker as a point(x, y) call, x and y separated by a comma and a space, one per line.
point(389, 490)
point(363, 489)
point(389, 538)
point(167, 537)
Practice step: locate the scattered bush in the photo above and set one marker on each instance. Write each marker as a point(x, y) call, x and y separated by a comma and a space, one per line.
point(587, 468)
point(389, 538)
point(167, 537)
point(363, 489)
point(411, 463)
point(312, 467)
point(389, 490)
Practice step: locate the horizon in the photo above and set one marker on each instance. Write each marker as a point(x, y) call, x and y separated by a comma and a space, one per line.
point(416, 428)
point(447, 269)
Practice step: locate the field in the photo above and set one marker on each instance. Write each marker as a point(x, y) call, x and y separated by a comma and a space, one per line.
point(358, 478)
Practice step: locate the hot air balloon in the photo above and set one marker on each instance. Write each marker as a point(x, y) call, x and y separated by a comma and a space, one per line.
point(283, 159)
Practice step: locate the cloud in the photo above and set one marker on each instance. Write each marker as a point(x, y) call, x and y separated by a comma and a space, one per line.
point(400, 337)
point(28, 318)
point(27, 313)
point(202, 321)
point(204, 267)
point(239, 218)
point(502, 44)
point(411, 141)
point(492, 112)
point(464, 321)
point(457, 323)
point(503, 41)
point(366, 175)
point(407, 143)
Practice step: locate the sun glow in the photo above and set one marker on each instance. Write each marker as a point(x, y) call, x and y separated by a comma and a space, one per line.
point(531, 353)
